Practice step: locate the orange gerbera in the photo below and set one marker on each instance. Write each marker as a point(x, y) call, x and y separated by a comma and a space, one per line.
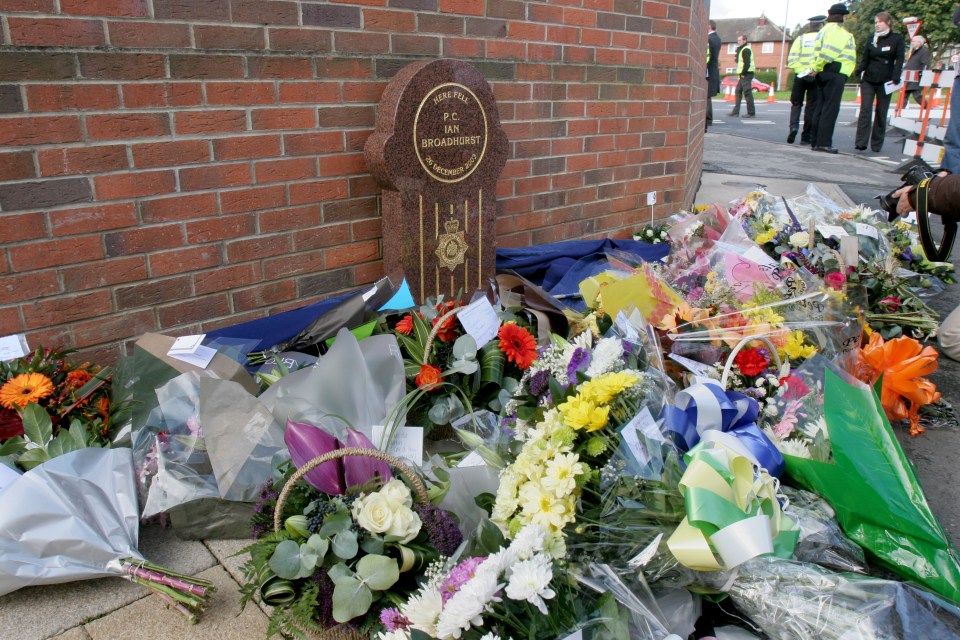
point(519, 346)
point(448, 330)
point(405, 326)
point(903, 363)
point(26, 388)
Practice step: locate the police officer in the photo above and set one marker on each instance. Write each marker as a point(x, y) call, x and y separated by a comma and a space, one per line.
point(834, 58)
point(745, 69)
point(713, 69)
point(800, 60)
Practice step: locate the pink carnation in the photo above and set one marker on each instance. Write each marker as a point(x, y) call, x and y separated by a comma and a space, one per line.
point(835, 280)
point(459, 576)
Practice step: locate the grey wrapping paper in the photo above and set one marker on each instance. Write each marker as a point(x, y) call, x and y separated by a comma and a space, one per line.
point(72, 518)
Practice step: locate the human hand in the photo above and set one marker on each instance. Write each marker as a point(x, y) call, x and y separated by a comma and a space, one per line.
point(903, 203)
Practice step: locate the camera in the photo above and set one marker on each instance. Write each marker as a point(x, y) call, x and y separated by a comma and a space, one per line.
point(915, 172)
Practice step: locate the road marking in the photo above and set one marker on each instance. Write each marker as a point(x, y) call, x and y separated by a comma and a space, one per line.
point(752, 121)
point(885, 160)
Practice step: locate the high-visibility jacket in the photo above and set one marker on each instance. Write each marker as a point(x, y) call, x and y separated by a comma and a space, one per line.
point(835, 44)
point(748, 68)
point(800, 58)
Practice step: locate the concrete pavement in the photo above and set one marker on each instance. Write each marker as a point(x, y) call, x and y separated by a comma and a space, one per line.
point(112, 608)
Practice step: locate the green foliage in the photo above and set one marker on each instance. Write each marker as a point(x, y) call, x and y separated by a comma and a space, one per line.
point(937, 26)
point(38, 432)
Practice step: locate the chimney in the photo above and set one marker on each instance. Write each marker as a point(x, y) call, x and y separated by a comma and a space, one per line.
point(762, 21)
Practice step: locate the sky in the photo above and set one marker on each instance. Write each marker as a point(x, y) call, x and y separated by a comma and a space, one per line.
point(775, 10)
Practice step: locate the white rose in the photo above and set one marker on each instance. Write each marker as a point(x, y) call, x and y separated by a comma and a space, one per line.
point(396, 494)
point(799, 239)
point(374, 513)
point(405, 525)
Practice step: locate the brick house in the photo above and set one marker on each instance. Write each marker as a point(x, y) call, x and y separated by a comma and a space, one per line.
point(765, 38)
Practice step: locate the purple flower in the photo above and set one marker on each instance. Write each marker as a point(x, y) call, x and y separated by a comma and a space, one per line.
point(392, 619)
point(578, 362)
point(538, 382)
point(323, 614)
point(459, 576)
point(307, 442)
point(441, 528)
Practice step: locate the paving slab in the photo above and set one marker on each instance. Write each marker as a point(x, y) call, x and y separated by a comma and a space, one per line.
point(150, 618)
point(77, 633)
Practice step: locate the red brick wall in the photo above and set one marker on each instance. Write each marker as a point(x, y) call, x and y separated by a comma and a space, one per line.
point(179, 165)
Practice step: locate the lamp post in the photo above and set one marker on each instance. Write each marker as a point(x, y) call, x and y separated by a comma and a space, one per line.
point(783, 46)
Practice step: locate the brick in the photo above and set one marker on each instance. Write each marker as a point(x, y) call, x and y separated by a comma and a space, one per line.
point(342, 164)
point(356, 139)
point(167, 263)
point(246, 147)
point(329, 235)
point(117, 8)
point(102, 217)
point(283, 118)
point(415, 44)
point(173, 94)
point(34, 66)
point(23, 226)
point(347, 116)
point(258, 248)
point(353, 209)
point(30, 130)
point(10, 321)
point(225, 278)
point(300, 39)
point(127, 125)
point(310, 92)
point(343, 68)
point(121, 186)
point(192, 10)
point(324, 15)
point(313, 143)
point(72, 97)
point(464, 48)
point(422, 5)
point(325, 283)
point(131, 324)
point(10, 99)
point(317, 191)
point(209, 121)
point(193, 310)
point(238, 200)
point(363, 186)
point(468, 7)
point(39, 284)
point(367, 273)
point(264, 295)
point(216, 37)
point(351, 254)
point(180, 207)
point(64, 161)
point(303, 262)
point(447, 25)
point(505, 49)
point(285, 170)
point(122, 66)
point(513, 9)
point(351, 42)
point(286, 219)
point(55, 253)
point(65, 309)
point(215, 177)
point(240, 93)
point(31, 6)
point(386, 20)
point(56, 32)
point(17, 165)
point(263, 12)
point(204, 66)
point(155, 35)
point(145, 294)
point(48, 193)
point(165, 154)
point(221, 228)
point(279, 67)
point(143, 240)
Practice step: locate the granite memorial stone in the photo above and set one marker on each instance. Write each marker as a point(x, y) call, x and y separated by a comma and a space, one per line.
point(437, 152)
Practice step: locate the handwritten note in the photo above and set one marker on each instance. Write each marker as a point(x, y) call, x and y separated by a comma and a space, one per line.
point(188, 349)
point(480, 320)
point(406, 442)
point(832, 231)
point(867, 230)
point(13, 347)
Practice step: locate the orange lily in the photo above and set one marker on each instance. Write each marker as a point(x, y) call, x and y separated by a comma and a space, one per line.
point(903, 363)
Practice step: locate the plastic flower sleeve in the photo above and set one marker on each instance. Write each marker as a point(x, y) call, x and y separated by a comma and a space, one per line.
point(821, 540)
point(799, 601)
point(641, 616)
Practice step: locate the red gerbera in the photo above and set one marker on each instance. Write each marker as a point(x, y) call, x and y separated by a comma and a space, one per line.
point(429, 378)
point(448, 330)
point(405, 326)
point(519, 346)
point(752, 362)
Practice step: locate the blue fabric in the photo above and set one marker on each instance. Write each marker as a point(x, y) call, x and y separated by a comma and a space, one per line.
point(281, 326)
point(559, 267)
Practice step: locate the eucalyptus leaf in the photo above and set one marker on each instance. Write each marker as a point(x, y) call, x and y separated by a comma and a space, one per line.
point(466, 367)
point(378, 572)
point(334, 524)
point(351, 598)
point(345, 545)
point(309, 559)
point(319, 545)
point(285, 561)
point(339, 570)
point(465, 348)
point(446, 409)
point(372, 544)
point(37, 426)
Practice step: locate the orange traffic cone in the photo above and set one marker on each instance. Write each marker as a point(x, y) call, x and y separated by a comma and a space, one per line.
point(859, 99)
point(770, 96)
point(937, 98)
point(729, 95)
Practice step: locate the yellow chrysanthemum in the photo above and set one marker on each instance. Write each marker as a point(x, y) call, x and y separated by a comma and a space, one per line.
point(795, 347)
point(561, 474)
point(20, 391)
point(582, 414)
point(766, 236)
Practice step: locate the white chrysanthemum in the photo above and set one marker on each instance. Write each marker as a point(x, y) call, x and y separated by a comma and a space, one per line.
point(422, 609)
point(528, 542)
point(813, 427)
point(606, 357)
point(506, 501)
point(794, 448)
point(466, 607)
point(530, 581)
point(490, 636)
point(561, 474)
point(397, 634)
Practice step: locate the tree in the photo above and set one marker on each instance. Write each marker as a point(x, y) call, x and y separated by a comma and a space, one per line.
point(937, 26)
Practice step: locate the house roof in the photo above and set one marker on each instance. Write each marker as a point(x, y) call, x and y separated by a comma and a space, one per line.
point(756, 29)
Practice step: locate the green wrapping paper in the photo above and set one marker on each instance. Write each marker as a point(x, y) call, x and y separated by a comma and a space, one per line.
point(877, 498)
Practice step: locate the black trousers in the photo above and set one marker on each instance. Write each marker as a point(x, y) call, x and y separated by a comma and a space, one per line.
point(745, 89)
point(803, 88)
point(830, 84)
point(870, 91)
point(709, 108)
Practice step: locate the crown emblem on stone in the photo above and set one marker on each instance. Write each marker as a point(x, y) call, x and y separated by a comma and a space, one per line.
point(451, 246)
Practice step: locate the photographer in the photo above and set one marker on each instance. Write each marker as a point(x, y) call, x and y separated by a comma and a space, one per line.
point(943, 197)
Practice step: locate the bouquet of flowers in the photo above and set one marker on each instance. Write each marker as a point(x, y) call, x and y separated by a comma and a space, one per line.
point(50, 406)
point(448, 374)
point(349, 543)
